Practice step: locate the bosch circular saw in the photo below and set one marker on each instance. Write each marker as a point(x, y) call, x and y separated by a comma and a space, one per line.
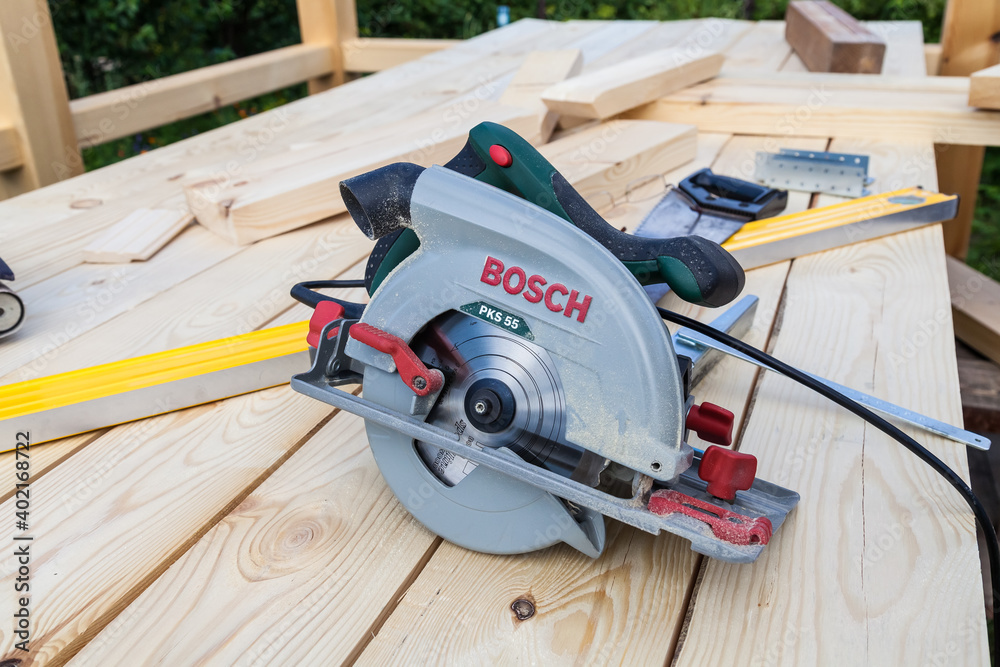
point(518, 385)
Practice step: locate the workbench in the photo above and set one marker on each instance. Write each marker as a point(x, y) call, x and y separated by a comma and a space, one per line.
point(258, 530)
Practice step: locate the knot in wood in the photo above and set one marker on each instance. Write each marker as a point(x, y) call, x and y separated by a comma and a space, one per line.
point(523, 609)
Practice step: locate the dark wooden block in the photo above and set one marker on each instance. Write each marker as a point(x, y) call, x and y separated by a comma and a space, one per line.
point(828, 39)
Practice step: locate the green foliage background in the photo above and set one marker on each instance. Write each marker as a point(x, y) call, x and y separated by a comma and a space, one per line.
point(106, 44)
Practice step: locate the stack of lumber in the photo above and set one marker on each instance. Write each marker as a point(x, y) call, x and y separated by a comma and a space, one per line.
point(258, 529)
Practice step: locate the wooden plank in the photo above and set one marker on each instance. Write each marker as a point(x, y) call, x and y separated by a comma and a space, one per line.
point(33, 98)
point(845, 581)
point(374, 54)
point(329, 24)
point(762, 48)
point(904, 47)
point(616, 88)
point(828, 39)
point(980, 383)
point(10, 149)
point(137, 237)
point(125, 111)
point(959, 170)
point(540, 70)
point(932, 58)
point(975, 306)
point(81, 299)
point(275, 196)
point(327, 534)
point(925, 108)
point(969, 37)
point(140, 496)
point(603, 160)
point(233, 297)
point(984, 88)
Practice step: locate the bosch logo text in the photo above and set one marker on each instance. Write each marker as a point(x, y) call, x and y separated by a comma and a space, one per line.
point(535, 288)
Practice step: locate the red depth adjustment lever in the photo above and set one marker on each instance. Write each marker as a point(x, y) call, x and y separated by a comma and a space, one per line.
point(712, 423)
point(727, 471)
point(415, 374)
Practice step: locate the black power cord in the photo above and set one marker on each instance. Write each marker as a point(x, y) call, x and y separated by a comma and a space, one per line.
point(992, 548)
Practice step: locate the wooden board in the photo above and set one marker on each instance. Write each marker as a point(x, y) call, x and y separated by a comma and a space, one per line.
point(137, 237)
point(975, 305)
point(541, 69)
point(10, 149)
point(828, 39)
point(984, 88)
point(374, 54)
point(927, 108)
point(617, 88)
point(119, 113)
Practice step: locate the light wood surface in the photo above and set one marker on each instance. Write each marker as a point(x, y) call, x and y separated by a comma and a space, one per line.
point(541, 69)
point(374, 54)
point(931, 108)
point(828, 39)
point(329, 24)
point(126, 111)
point(968, 37)
point(137, 237)
point(984, 88)
point(256, 528)
point(617, 88)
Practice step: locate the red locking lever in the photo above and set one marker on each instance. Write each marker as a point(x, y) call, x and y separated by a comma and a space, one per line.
point(727, 471)
point(325, 312)
point(712, 423)
point(415, 374)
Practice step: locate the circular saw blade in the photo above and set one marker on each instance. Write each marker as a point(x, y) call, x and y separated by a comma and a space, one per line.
point(468, 351)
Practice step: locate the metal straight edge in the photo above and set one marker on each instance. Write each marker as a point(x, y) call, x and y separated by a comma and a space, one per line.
point(120, 408)
point(834, 237)
point(876, 404)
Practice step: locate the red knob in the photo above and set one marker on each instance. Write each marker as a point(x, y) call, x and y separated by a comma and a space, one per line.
point(325, 312)
point(727, 471)
point(501, 155)
point(711, 423)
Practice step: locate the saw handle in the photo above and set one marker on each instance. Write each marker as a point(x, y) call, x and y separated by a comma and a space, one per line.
point(700, 271)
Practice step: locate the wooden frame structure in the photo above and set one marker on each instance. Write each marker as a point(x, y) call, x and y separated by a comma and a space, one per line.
point(41, 130)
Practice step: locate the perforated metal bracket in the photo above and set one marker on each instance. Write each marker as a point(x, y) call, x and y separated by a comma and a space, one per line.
point(842, 174)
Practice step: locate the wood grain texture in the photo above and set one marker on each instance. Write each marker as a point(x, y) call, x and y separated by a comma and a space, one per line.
point(125, 111)
point(137, 237)
point(927, 108)
point(761, 48)
point(328, 24)
point(617, 88)
point(984, 88)
point(975, 307)
point(322, 539)
point(374, 54)
point(845, 580)
point(33, 98)
point(540, 70)
point(135, 499)
point(828, 39)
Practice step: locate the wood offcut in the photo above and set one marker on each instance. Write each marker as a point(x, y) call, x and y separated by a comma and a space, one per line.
point(828, 39)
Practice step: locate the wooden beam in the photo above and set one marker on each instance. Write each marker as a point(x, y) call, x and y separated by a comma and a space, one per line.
point(540, 70)
point(374, 54)
point(620, 87)
point(821, 105)
point(828, 39)
point(984, 88)
point(932, 59)
point(975, 306)
point(137, 237)
point(10, 149)
point(119, 113)
point(969, 39)
point(33, 98)
point(969, 43)
point(329, 24)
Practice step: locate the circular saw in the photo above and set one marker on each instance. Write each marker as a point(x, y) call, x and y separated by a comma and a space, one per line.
point(518, 386)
